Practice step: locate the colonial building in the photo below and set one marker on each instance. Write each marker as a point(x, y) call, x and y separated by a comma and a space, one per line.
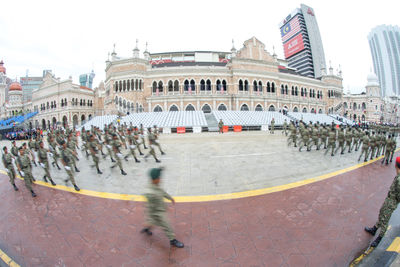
point(248, 79)
point(61, 102)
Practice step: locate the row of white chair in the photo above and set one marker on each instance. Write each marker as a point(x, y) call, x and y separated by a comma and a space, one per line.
point(250, 118)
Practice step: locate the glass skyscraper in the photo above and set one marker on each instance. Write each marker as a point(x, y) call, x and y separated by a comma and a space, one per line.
point(384, 42)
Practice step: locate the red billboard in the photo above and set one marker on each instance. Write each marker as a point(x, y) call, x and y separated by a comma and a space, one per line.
point(293, 46)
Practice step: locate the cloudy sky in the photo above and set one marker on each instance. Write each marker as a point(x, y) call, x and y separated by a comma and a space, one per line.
point(73, 37)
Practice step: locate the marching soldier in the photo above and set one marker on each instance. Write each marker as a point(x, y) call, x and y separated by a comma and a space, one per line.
point(14, 149)
point(285, 128)
point(154, 142)
point(71, 145)
point(116, 146)
point(25, 169)
point(314, 138)
point(142, 136)
point(93, 146)
point(365, 147)
point(132, 146)
point(324, 136)
point(44, 163)
point(372, 144)
point(341, 138)
point(66, 159)
point(32, 148)
point(7, 162)
point(151, 144)
point(107, 141)
point(304, 132)
point(137, 142)
point(349, 139)
point(221, 126)
point(293, 134)
point(389, 205)
point(331, 141)
point(272, 126)
point(156, 208)
point(53, 152)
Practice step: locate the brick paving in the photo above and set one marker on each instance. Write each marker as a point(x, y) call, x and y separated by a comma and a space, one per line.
point(320, 224)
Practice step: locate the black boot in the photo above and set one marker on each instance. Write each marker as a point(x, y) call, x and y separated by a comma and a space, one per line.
point(141, 154)
point(76, 169)
point(33, 193)
point(45, 179)
point(53, 163)
point(137, 161)
point(162, 153)
point(52, 182)
point(33, 179)
point(77, 188)
point(371, 230)
point(176, 243)
point(158, 161)
point(376, 242)
point(15, 187)
point(34, 162)
point(112, 160)
point(98, 171)
point(123, 172)
point(146, 231)
point(126, 158)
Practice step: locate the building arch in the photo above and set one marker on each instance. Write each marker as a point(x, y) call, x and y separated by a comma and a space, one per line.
point(192, 85)
point(173, 108)
point(222, 107)
point(255, 86)
point(218, 85)
point(244, 107)
point(176, 86)
point(170, 86)
point(189, 107)
point(154, 87)
point(304, 110)
point(83, 119)
point(64, 120)
point(157, 108)
point(241, 85)
point(208, 85)
point(160, 87)
point(202, 85)
point(271, 108)
point(75, 121)
point(313, 110)
point(246, 85)
point(354, 106)
point(320, 111)
point(295, 109)
point(259, 107)
point(224, 85)
point(206, 108)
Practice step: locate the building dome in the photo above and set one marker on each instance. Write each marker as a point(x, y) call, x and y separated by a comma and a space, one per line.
point(15, 86)
point(372, 79)
point(2, 68)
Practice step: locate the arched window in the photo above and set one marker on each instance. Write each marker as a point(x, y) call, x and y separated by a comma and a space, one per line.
point(240, 85)
point(354, 106)
point(301, 91)
point(206, 108)
point(260, 86)
point(128, 85)
point(244, 107)
point(312, 110)
point(364, 107)
point(218, 85)
point(202, 85)
point(224, 85)
point(124, 104)
point(292, 90)
point(222, 107)
point(62, 102)
point(65, 102)
point(157, 109)
point(170, 86)
point(208, 85)
point(124, 86)
point(286, 90)
point(173, 108)
point(176, 86)
point(320, 111)
point(296, 91)
point(160, 86)
point(295, 109)
point(268, 87)
point(115, 100)
point(186, 85)
point(255, 86)
point(305, 92)
point(345, 105)
point(116, 86)
point(272, 87)
point(282, 89)
point(190, 107)
point(304, 110)
point(259, 108)
point(133, 85)
point(120, 86)
point(246, 85)
point(192, 86)
point(271, 108)
point(138, 86)
point(154, 87)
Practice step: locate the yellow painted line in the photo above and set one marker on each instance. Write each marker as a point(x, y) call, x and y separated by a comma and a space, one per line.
point(10, 262)
point(395, 246)
point(361, 257)
point(204, 198)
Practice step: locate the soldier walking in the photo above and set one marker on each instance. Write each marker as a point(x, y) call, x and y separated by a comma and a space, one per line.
point(44, 163)
point(272, 126)
point(66, 159)
point(151, 144)
point(116, 146)
point(365, 147)
point(156, 208)
point(331, 141)
point(93, 146)
point(25, 169)
point(7, 162)
point(132, 146)
point(285, 125)
point(221, 126)
point(389, 205)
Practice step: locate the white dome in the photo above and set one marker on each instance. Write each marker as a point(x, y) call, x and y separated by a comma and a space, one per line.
point(372, 79)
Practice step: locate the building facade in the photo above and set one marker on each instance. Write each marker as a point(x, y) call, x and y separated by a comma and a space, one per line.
point(247, 79)
point(384, 42)
point(28, 85)
point(302, 43)
point(61, 102)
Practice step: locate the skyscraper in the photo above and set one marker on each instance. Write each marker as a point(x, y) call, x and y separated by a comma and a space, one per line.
point(302, 42)
point(87, 79)
point(384, 42)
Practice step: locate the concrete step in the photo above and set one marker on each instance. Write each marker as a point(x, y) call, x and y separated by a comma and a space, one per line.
point(211, 121)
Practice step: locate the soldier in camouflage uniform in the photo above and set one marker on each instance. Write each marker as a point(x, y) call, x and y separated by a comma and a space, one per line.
point(14, 149)
point(7, 162)
point(137, 142)
point(25, 169)
point(349, 139)
point(341, 138)
point(293, 134)
point(107, 142)
point(388, 144)
point(66, 159)
point(285, 128)
point(72, 146)
point(272, 126)
point(365, 147)
point(331, 141)
point(221, 126)
point(132, 146)
point(314, 138)
point(44, 163)
point(94, 148)
point(372, 144)
point(152, 139)
point(156, 133)
point(116, 146)
point(156, 208)
point(31, 150)
point(389, 205)
point(142, 136)
point(53, 152)
point(304, 132)
point(324, 136)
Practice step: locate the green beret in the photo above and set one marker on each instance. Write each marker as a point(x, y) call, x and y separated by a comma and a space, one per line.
point(155, 173)
point(62, 142)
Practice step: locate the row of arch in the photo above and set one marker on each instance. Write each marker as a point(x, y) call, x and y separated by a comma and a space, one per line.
point(190, 85)
point(303, 92)
point(354, 106)
point(127, 106)
point(206, 108)
point(53, 123)
point(257, 86)
point(128, 85)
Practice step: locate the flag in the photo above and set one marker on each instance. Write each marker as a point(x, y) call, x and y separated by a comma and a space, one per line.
point(290, 29)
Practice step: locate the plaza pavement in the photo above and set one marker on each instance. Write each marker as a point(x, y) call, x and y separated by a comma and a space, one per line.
point(317, 224)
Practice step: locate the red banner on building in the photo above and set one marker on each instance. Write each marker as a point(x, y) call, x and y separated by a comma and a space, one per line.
point(293, 46)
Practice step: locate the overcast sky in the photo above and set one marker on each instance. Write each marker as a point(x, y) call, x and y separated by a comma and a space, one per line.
point(74, 37)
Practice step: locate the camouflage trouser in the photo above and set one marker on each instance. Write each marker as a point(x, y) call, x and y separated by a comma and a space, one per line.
point(331, 145)
point(389, 205)
point(380, 149)
point(158, 145)
point(143, 141)
point(28, 178)
point(131, 152)
point(348, 144)
point(314, 141)
point(159, 219)
point(373, 150)
point(292, 138)
point(95, 160)
point(323, 141)
point(11, 173)
point(119, 163)
point(341, 146)
point(151, 152)
point(284, 131)
point(272, 128)
point(364, 150)
point(46, 168)
point(70, 175)
point(304, 142)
